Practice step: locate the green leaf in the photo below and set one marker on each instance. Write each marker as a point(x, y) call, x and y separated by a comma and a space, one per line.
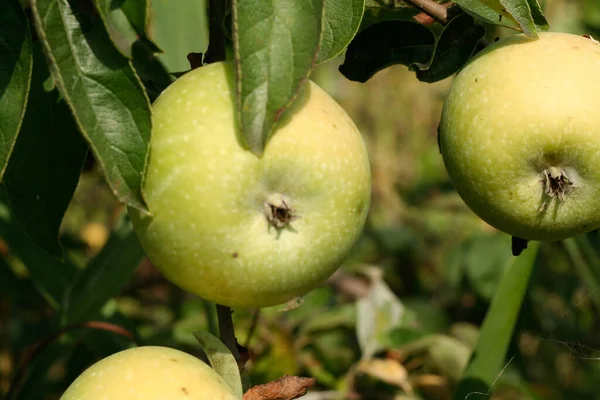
point(538, 16)
point(489, 356)
point(105, 276)
point(379, 11)
point(138, 13)
point(574, 247)
point(385, 44)
point(39, 183)
point(221, 360)
point(341, 20)
point(50, 276)
point(126, 23)
point(117, 25)
point(479, 10)
point(15, 75)
point(105, 95)
point(453, 49)
point(276, 44)
point(485, 258)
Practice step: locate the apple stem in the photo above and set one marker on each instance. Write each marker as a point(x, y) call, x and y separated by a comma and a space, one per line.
point(226, 331)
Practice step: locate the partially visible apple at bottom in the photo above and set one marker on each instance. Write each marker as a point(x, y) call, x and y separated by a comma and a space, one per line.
point(149, 373)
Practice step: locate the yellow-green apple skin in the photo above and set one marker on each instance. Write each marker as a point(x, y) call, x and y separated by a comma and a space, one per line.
point(212, 201)
point(149, 373)
point(520, 135)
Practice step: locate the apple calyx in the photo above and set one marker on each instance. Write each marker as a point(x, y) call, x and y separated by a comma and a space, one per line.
point(556, 183)
point(278, 212)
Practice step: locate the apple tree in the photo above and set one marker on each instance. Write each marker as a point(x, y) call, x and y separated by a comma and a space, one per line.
point(243, 182)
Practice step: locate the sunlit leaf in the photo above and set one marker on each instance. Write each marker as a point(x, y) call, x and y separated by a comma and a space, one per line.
point(276, 44)
point(105, 95)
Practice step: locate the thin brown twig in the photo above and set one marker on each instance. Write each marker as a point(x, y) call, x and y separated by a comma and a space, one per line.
point(435, 10)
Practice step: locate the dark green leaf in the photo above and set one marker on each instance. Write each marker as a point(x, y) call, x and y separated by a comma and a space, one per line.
point(117, 25)
point(221, 360)
point(482, 11)
point(15, 75)
point(452, 49)
point(50, 276)
point(489, 356)
point(44, 168)
point(385, 44)
point(485, 258)
point(538, 16)
point(276, 44)
point(341, 20)
point(105, 96)
point(105, 276)
point(379, 11)
point(138, 13)
point(151, 71)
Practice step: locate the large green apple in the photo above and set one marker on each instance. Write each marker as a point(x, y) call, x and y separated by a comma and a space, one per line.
point(149, 373)
point(242, 230)
point(520, 135)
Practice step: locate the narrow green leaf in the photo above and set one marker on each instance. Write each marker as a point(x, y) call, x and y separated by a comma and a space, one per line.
point(15, 75)
point(385, 44)
point(102, 90)
point(276, 44)
point(489, 355)
point(379, 11)
point(538, 16)
point(105, 276)
point(588, 278)
point(221, 360)
point(117, 25)
point(341, 20)
point(39, 183)
point(485, 258)
point(50, 276)
point(487, 14)
point(520, 11)
point(453, 49)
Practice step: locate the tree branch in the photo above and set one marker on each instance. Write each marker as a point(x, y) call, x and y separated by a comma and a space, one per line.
point(435, 10)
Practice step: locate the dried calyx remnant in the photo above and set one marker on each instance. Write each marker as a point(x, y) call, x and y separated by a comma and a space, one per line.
point(278, 211)
point(556, 183)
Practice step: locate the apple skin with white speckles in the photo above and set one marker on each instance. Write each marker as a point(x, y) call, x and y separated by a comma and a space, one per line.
point(149, 373)
point(519, 108)
point(209, 231)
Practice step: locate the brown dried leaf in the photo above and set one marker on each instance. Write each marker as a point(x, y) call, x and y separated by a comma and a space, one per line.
point(285, 388)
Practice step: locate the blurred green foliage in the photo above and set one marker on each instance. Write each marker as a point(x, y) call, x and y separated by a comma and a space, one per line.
point(398, 321)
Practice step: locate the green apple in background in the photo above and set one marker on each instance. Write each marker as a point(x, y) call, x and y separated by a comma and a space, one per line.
point(149, 373)
point(520, 135)
point(241, 230)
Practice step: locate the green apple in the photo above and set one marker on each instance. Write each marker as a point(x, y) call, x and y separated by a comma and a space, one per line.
point(149, 373)
point(520, 135)
point(242, 230)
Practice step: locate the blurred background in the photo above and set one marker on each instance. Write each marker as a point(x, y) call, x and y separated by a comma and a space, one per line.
point(400, 318)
